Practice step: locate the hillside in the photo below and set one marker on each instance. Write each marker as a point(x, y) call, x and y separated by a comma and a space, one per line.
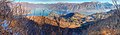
point(107, 26)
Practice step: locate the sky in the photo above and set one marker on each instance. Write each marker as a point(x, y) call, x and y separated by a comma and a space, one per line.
point(64, 1)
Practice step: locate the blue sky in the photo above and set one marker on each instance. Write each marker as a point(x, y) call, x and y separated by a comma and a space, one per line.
point(55, 1)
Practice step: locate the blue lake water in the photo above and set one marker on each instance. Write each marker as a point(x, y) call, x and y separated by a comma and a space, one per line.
point(39, 12)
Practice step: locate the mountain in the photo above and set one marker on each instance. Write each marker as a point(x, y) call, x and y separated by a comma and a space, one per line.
point(86, 7)
point(83, 8)
point(31, 5)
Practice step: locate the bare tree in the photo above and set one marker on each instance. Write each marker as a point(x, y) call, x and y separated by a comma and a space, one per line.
point(4, 8)
point(19, 11)
point(115, 2)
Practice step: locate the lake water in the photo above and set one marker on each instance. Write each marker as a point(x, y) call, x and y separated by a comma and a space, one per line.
point(39, 12)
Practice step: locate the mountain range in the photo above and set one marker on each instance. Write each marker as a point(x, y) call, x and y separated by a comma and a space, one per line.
point(83, 8)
